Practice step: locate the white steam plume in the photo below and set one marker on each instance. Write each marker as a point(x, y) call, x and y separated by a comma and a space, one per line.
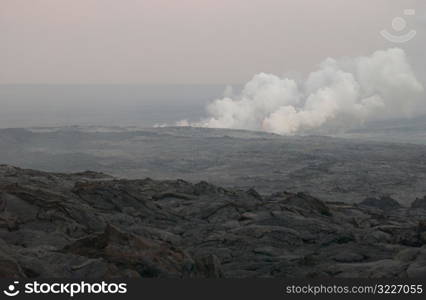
point(339, 94)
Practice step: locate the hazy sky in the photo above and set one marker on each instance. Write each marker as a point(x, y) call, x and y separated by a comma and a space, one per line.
point(184, 41)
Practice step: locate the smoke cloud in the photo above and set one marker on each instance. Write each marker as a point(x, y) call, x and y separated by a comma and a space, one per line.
point(339, 95)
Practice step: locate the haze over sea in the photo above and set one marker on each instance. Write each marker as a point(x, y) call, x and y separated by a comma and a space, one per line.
point(109, 105)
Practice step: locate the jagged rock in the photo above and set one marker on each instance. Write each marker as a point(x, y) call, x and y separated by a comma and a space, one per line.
point(417, 268)
point(419, 203)
point(146, 257)
point(89, 225)
point(209, 266)
point(304, 201)
point(348, 257)
point(384, 203)
point(386, 268)
point(9, 268)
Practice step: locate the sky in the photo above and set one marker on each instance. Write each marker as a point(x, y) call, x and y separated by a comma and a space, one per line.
point(189, 41)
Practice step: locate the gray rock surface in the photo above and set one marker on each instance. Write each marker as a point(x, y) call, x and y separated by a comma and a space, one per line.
point(384, 202)
point(92, 225)
point(334, 169)
point(419, 203)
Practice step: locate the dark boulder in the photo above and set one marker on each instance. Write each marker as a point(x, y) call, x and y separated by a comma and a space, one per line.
point(419, 203)
point(384, 203)
point(147, 257)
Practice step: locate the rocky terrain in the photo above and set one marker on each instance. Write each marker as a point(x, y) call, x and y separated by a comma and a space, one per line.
point(91, 225)
point(335, 169)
